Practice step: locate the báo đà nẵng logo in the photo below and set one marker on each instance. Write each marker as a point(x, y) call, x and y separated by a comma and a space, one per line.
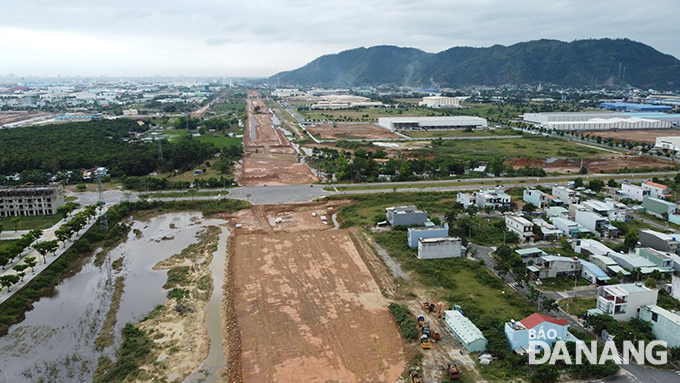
point(642, 352)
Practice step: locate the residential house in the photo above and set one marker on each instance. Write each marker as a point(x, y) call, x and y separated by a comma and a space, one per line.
point(406, 215)
point(548, 229)
point(595, 223)
point(623, 301)
point(415, 233)
point(661, 259)
point(659, 241)
point(558, 211)
point(466, 199)
point(592, 273)
point(665, 324)
point(518, 332)
point(569, 228)
point(657, 190)
point(436, 248)
point(589, 247)
point(618, 212)
point(536, 198)
point(530, 253)
point(496, 198)
point(552, 266)
point(658, 207)
point(610, 266)
point(633, 262)
point(675, 287)
point(634, 192)
point(465, 331)
point(566, 195)
point(606, 210)
point(521, 226)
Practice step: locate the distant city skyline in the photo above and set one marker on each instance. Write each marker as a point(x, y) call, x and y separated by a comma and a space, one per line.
point(260, 38)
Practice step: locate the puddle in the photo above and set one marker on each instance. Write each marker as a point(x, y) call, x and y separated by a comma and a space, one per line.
point(215, 361)
point(56, 340)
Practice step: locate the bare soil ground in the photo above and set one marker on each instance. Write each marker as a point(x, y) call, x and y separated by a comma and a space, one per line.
point(309, 310)
point(643, 135)
point(16, 116)
point(270, 158)
point(350, 131)
point(261, 219)
point(606, 162)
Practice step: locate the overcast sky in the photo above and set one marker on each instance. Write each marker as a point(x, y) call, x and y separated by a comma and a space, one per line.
point(263, 37)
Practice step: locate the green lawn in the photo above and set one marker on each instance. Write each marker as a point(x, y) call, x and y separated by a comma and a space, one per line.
point(29, 222)
point(7, 243)
point(359, 115)
point(221, 141)
point(578, 305)
point(461, 133)
point(416, 185)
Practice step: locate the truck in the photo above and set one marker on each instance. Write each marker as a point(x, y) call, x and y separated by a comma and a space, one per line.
point(452, 370)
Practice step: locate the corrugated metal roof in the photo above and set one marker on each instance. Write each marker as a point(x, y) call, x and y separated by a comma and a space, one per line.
point(462, 326)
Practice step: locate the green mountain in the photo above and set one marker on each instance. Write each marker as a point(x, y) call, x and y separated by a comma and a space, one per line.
point(578, 63)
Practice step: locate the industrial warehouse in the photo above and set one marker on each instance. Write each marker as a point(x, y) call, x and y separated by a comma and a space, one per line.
point(602, 120)
point(432, 123)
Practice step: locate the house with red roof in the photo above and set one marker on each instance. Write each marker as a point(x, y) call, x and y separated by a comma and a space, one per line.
point(536, 327)
point(657, 190)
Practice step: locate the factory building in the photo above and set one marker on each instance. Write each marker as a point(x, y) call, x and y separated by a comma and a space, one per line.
point(635, 107)
point(31, 200)
point(601, 120)
point(440, 102)
point(432, 123)
point(671, 143)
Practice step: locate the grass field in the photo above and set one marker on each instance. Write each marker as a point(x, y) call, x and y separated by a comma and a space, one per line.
point(562, 283)
point(578, 305)
point(365, 114)
point(218, 141)
point(528, 147)
point(29, 222)
point(461, 133)
point(5, 244)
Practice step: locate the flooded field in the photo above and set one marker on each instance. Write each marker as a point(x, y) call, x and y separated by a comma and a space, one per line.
point(56, 341)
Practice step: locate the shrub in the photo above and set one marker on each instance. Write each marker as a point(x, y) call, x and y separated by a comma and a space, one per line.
point(406, 323)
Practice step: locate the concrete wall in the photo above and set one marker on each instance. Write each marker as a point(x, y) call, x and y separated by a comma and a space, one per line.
point(414, 234)
point(431, 248)
point(663, 325)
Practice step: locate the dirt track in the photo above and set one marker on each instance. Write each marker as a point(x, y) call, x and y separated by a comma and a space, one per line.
point(309, 311)
point(270, 158)
point(607, 162)
point(350, 131)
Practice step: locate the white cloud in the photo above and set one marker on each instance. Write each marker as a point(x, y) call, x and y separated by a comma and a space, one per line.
point(260, 38)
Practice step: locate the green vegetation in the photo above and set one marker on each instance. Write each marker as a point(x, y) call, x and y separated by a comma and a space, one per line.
point(178, 276)
point(562, 283)
point(133, 353)
point(406, 323)
point(547, 61)
point(221, 141)
point(578, 306)
point(29, 222)
point(463, 133)
point(105, 338)
point(178, 294)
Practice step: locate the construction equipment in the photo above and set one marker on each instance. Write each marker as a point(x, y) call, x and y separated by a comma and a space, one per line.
point(425, 342)
point(453, 371)
point(421, 320)
point(426, 330)
point(433, 307)
point(414, 377)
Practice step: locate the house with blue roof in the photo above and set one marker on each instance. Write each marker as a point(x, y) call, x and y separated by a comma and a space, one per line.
point(592, 273)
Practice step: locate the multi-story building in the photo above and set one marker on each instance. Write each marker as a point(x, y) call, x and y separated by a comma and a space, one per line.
point(661, 259)
point(551, 266)
point(30, 200)
point(634, 192)
point(566, 195)
point(659, 241)
point(465, 199)
point(436, 248)
point(440, 102)
point(635, 262)
point(496, 198)
point(595, 223)
point(658, 207)
point(569, 228)
point(618, 212)
point(548, 229)
point(657, 190)
point(606, 210)
point(622, 302)
point(536, 198)
point(415, 233)
point(405, 215)
point(520, 225)
point(665, 324)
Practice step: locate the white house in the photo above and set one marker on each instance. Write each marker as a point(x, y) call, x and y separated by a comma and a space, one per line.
point(657, 190)
point(567, 195)
point(436, 248)
point(622, 302)
point(634, 192)
point(521, 226)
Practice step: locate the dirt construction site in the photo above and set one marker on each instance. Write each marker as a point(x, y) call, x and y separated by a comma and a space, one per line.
point(307, 306)
point(350, 131)
point(270, 158)
point(645, 135)
point(609, 162)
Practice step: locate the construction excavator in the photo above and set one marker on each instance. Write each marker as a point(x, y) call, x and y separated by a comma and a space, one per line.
point(452, 371)
point(414, 377)
point(433, 307)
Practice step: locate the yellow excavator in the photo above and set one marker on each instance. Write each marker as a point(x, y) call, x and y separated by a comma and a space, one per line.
point(425, 342)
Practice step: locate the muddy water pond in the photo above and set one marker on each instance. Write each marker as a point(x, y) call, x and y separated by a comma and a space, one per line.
point(55, 342)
